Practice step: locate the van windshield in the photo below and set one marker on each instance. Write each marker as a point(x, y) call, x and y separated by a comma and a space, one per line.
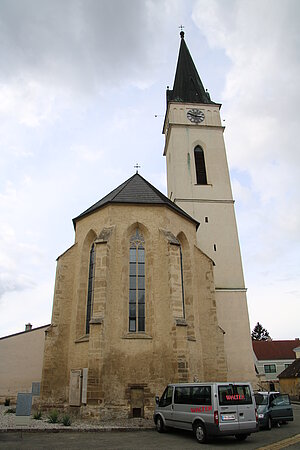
point(261, 399)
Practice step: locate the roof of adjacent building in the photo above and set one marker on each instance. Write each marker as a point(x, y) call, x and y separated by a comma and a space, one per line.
point(25, 331)
point(138, 191)
point(292, 371)
point(272, 350)
point(188, 87)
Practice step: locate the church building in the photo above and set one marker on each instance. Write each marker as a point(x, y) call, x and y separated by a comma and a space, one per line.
point(152, 291)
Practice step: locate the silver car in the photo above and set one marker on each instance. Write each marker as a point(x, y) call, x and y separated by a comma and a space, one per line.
point(208, 409)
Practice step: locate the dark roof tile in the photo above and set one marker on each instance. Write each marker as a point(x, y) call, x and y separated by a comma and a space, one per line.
point(188, 87)
point(292, 371)
point(136, 190)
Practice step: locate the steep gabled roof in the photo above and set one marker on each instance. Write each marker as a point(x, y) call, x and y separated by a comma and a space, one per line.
point(188, 87)
point(136, 190)
point(272, 350)
point(292, 371)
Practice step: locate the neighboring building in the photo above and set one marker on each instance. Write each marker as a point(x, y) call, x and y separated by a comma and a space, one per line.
point(289, 379)
point(134, 306)
point(146, 296)
point(21, 360)
point(199, 182)
point(271, 358)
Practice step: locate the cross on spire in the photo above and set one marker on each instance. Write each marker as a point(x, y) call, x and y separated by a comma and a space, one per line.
point(181, 31)
point(137, 167)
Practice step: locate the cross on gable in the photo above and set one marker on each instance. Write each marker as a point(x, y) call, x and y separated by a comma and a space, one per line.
point(137, 167)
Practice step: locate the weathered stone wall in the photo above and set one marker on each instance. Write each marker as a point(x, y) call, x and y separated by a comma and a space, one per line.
point(55, 369)
point(181, 342)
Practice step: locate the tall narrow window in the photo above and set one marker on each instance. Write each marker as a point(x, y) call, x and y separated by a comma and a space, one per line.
point(200, 165)
point(89, 305)
point(182, 285)
point(137, 283)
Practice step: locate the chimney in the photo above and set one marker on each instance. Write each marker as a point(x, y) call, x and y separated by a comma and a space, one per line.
point(28, 327)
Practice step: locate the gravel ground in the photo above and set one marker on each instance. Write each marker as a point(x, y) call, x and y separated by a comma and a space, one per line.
point(7, 422)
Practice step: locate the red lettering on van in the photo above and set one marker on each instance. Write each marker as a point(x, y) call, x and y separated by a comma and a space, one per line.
point(235, 397)
point(201, 409)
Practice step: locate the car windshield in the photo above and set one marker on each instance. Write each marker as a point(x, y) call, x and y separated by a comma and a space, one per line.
point(261, 399)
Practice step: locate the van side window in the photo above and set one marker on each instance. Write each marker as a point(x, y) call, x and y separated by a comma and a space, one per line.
point(201, 395)
point(166, 398)
point(192, 395)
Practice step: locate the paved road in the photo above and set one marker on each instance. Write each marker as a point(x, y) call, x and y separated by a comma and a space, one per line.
point(150, 440)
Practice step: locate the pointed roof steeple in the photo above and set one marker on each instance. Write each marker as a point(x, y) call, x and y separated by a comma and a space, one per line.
point(188, 87)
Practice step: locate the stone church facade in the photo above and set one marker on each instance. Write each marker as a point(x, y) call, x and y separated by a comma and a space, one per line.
point(152, 291)
point(134, 306)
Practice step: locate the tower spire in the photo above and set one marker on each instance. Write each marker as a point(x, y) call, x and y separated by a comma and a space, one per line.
point(187, 87)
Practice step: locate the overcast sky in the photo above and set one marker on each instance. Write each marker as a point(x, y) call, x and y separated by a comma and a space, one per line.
point(80, 84)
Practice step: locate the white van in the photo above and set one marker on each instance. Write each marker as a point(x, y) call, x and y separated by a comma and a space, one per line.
point(208, 409)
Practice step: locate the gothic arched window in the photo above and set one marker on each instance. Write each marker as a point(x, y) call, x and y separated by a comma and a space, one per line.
point(137, 283)
point(200, 165)
point(89, 303)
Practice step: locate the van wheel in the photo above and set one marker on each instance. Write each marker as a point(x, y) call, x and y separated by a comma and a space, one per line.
point(241, 437)
point(159, 425)
point(200, 432)
point(269, 424)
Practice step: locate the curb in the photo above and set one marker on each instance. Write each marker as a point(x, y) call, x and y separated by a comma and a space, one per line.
point(75, 430)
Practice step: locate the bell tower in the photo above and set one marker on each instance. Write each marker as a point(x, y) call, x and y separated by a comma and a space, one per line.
point(198, 181)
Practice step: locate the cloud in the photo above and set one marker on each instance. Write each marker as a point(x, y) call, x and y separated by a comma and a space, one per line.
point(86, 44)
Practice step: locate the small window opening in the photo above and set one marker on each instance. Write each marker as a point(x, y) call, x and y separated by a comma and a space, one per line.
point(136, 412)
point(206, 219)
point(215, 247)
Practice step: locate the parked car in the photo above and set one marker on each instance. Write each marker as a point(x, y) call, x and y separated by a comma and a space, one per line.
point(208, 409)
point(273, 408)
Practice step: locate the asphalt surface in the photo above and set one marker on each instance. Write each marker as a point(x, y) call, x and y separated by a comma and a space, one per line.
point(287, 436)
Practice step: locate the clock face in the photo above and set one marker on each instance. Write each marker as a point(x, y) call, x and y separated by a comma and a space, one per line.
point(195, 115)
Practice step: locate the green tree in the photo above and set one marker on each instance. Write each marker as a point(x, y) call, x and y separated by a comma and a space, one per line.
point(259, 333)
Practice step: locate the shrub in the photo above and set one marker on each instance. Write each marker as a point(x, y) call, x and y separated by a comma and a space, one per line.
point(7, 402)
point(10, 411)
point(53, 416)
point(66, 420)
point(37, 415)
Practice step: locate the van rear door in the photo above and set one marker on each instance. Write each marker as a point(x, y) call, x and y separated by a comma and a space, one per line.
point(228, 417)
point(246, 407)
